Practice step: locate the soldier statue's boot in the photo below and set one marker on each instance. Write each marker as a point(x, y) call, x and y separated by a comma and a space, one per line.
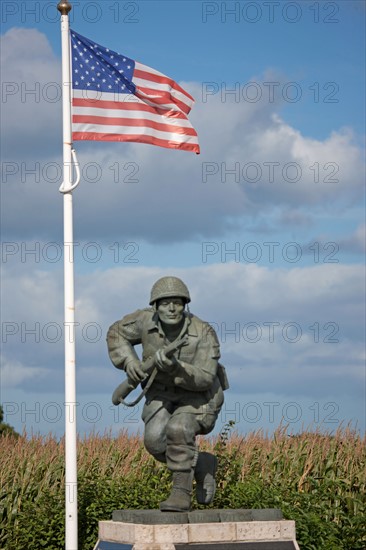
point(205, 477)
point(179, 499)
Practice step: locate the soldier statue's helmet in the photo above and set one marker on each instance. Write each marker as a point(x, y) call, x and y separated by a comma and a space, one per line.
point(169, 287)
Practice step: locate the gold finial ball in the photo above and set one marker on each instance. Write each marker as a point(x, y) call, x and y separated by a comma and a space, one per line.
point(64, 7)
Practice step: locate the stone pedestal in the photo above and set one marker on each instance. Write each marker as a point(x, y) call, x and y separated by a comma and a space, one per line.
point(200, 530)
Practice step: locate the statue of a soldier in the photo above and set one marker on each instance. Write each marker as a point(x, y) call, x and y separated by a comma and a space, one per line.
point(186, 392)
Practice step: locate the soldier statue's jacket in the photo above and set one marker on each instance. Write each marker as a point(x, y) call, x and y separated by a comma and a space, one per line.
point(197, 360)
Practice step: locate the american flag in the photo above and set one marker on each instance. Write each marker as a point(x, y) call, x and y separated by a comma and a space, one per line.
point(118, 99)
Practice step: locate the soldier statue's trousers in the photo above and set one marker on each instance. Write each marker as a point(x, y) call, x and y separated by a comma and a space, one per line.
point(173, 417)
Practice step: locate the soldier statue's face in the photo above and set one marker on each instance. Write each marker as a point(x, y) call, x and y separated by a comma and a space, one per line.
point(170, 310)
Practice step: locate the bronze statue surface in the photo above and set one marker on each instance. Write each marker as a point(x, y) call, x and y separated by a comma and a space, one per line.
point(183, 385)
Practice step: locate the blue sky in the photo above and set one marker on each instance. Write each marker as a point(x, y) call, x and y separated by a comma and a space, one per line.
point(266, 226)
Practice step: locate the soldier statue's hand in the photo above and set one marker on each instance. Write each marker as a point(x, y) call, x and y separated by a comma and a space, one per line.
point(134, 371)
point(163, 363)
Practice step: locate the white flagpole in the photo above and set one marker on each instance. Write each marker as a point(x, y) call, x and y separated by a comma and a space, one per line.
point(71, 519)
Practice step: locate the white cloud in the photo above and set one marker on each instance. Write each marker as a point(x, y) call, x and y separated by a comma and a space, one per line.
point(31, 294)
point(31, 102)
point(356, 241)
point(303, 324)
point(15, 374)
point(143, 192)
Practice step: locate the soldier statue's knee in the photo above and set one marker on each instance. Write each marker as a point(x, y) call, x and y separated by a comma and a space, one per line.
point(156, 446)
point(181, 428)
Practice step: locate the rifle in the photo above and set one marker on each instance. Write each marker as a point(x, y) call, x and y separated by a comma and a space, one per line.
point(148, 366)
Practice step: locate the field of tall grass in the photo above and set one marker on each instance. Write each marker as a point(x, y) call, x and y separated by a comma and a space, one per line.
point(316, 478)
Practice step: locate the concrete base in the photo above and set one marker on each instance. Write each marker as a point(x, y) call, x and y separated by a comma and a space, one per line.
point(200, 530)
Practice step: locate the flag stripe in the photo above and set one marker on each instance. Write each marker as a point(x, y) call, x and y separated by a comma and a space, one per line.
point(94, 112)
point(153, 86)
point(117, 113)
point(146, 73)
point(152, 140)
point(163, 98)
point(130, 102)
point(128, 122)
point(174, 135)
